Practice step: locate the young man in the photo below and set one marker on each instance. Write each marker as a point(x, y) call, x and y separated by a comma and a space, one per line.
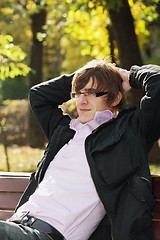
point(98, 185)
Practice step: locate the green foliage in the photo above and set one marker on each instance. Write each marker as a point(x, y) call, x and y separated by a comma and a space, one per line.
point(11, 59)
point(144, 15)
point(85, 5)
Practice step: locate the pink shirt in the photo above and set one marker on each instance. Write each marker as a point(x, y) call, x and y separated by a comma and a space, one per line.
point(67, 198)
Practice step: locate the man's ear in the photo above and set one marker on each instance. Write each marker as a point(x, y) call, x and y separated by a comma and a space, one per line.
point(117, 100)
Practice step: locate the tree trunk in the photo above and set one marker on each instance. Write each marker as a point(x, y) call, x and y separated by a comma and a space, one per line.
point(129, 54)
point(128, 49)
point(111, 41)
point(124, 32)
point(36, 135)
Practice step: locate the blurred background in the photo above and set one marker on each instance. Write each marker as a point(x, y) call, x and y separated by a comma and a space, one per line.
point(42, 39)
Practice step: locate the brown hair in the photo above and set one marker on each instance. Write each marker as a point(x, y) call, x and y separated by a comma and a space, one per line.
point(105, 76)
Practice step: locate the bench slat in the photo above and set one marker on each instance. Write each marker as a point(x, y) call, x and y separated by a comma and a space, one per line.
point(8, 201)
point(7, 184)
point(15, 174)
point(4, 215)
point(156, 229)
point(156, 186)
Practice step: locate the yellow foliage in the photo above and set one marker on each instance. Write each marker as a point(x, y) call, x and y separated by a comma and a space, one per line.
point(131, 3)
point(3, 122)
point(31, 5)
point(142, 14)
point(90, 29)
point(90, 4)
point(7, 10)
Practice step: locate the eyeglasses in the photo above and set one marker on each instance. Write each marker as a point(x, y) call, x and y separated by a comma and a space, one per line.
point(77, 95)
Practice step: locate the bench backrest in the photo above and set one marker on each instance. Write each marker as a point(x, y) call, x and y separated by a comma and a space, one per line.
point(12, 186)
point(156, 210)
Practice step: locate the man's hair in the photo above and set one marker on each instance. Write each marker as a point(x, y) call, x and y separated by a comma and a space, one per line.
point(105, 76)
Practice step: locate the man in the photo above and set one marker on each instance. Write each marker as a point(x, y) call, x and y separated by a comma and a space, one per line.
point(98, 185)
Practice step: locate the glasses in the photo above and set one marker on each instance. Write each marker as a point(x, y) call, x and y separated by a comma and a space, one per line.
point(77, 95)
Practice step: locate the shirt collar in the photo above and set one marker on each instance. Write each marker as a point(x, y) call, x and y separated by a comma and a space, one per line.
point(99, 118)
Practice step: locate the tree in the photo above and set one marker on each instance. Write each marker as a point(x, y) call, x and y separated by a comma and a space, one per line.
point(36, 11)
point(11, 65)
point(124, 32)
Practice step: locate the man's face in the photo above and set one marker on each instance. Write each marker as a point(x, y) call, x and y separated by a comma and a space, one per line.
point(87, 106)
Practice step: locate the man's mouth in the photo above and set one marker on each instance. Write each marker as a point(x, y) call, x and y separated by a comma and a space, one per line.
point(85, 110)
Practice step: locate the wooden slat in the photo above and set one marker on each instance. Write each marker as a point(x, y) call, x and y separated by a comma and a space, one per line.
point(156, 229)
point(4, 215)
point(156, 186)
point(8, 201)
point(15, 174)
point(156, 210)
point(157, 207)
point(13, 184)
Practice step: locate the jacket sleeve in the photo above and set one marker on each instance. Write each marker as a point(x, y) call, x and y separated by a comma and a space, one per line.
point(147, 77)
point(45, 99)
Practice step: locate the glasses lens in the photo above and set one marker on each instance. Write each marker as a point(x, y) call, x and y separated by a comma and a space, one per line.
point(87, 94)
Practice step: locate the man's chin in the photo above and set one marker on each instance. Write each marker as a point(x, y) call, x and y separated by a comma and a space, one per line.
point(85, 120)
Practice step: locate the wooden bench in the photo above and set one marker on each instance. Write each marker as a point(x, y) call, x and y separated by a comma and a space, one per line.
point(12, 186)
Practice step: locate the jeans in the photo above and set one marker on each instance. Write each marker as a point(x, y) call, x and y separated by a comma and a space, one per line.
point(13, 231)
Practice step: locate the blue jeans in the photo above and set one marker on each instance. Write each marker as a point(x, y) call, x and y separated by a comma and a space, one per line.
point(13, 231)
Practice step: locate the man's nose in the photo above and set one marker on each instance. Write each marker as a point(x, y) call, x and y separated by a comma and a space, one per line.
point(83, 99)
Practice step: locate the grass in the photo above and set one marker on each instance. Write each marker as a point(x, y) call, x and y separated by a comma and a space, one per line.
point(21, 159)
point(25, 159)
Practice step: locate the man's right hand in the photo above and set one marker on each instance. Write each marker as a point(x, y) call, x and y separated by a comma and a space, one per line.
point(125, 79)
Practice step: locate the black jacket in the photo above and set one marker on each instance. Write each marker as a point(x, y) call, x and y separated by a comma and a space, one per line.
point(116, 152)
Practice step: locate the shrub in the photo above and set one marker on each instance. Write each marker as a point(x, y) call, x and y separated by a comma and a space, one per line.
point(14, 122)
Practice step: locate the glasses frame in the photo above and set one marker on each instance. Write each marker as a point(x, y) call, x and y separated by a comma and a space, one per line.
point(86, 94)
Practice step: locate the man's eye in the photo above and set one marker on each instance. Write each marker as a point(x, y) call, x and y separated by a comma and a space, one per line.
point(91, 93)
point(78, 93)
